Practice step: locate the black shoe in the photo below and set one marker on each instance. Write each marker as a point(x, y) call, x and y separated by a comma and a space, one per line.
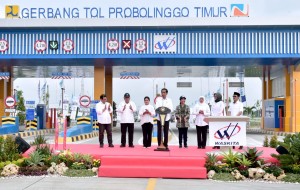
point(101, 145)
point(233, 147)
point(185, 146)
point(131, 146)
point(111, 145)
point(241, 147)
point(122, 146)
point(180, 146)
point(199, 147)
point(203, 147)
point(216, 147)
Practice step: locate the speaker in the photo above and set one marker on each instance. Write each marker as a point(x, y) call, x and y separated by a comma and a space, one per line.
point(282, 150)
point(23, 146)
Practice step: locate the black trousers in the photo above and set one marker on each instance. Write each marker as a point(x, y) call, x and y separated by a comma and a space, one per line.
point(108, 129)
point(124, 127)
point(201, 135)
point(166, 131)
point(183, 134)
point(147, 134)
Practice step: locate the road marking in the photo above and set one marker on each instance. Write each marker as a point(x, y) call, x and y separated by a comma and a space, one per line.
point(151, 184)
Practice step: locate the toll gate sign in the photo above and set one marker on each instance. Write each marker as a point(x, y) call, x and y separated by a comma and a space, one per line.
point(85, 101)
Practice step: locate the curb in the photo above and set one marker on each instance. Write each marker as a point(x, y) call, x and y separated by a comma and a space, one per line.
point(30, 133)
point(262, 131)
point(79, 137)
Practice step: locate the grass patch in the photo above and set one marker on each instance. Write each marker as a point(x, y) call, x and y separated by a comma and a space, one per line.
point(224, 177)
point(292, 178)
point(79, 173)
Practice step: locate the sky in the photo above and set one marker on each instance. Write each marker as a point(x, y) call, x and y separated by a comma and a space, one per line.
point(138, 89)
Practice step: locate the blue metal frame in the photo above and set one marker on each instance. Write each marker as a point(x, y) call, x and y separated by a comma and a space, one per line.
point(195, 43)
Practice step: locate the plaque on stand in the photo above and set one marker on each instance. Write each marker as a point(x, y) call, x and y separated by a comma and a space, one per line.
point(162, 114)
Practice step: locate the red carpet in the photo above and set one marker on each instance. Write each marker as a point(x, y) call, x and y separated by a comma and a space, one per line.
point(142, 162)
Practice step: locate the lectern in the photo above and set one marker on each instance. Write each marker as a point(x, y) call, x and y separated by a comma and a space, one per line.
point(227, 131)
point(162, 113)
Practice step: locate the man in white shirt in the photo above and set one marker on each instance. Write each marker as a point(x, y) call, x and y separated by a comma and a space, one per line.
point(236, 108)
point(126, 108)
point(104, 109)
point(165, 102)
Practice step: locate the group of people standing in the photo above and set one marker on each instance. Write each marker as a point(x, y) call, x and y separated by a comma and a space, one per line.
point(147, 112)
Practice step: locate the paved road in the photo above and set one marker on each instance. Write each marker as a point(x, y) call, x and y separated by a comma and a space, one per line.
point(59, 183)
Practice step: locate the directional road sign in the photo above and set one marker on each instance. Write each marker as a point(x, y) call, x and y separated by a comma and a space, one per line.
point(10, 101)
point(53, 45)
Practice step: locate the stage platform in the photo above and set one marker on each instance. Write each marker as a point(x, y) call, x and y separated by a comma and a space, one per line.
point(145, 162)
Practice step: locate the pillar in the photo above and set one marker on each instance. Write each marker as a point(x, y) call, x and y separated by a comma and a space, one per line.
point(103, 82)
point(288, 102)
point(108, 84)
point(264, 96)
point(8, 88)
point(295, 98)
point(99, 81)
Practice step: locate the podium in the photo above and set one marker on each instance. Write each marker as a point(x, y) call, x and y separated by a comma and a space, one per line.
point(227, 131)
point(162, 114)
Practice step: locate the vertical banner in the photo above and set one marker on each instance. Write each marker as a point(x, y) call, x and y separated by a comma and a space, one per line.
point(65, 134)
point(228, 133)
point(56, 135)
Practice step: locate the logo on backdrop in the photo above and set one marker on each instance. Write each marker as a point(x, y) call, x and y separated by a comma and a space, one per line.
point(239, 10)
point(140, 45)
point(68, 45)
point(3, 45)
point(112, 45)
point(165, 44)
point(126, 44)
point(40, 45)
point(227, 132)
point(12, 11)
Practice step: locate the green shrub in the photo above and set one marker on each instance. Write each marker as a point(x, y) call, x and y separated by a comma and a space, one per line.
point(274, 141)
point(35, 159)
point(79, 173)
point(292, 144)
point(231, 158)
point(266, 141)
point(8, 149)
point(243, 161)
point(39, 140)
point(78, 166)
point(224, 177)
point(252, 155)
point(273, 169)
point(292, 178)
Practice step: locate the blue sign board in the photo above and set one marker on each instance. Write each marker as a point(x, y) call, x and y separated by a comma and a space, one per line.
point(4, 74)
point(29, 114)
point(61, 74)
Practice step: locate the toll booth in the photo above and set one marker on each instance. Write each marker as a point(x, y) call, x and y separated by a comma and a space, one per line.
point(274, 114)
point(41, 114)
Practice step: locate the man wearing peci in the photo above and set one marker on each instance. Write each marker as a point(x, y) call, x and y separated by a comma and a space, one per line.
point(236, 108)
point(127, 108)
point(104, 109)
point(165, 102)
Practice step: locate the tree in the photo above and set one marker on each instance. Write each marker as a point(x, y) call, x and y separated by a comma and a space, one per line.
point(249, 111)
point(257, 106)
point(20, 106)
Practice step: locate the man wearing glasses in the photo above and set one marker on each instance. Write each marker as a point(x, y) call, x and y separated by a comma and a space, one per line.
point(236, 108)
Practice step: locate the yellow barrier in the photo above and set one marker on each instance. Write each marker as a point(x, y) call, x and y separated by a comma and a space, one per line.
point(32, 124)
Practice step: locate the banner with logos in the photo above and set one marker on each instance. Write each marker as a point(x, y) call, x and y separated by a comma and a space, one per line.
point(227, 133)
point(149, 12)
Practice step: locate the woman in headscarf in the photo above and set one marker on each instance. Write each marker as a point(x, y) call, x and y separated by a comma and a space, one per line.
point(201, 110)
point(182, 114)
point(218, 109)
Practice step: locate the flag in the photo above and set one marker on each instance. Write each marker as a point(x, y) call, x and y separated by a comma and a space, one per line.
point(44, 88)
point(61, 83)
point(39, 91)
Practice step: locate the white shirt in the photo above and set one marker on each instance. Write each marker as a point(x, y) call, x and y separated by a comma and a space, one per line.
point(166, 103)
point(147, 118)
point(199, 117)
point(218, 109)
point(103, 117)
point(235, 108)
point(127, 115)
